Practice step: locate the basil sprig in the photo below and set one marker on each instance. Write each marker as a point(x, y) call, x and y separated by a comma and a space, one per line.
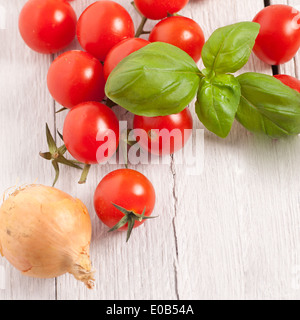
point(229, 48)
point(217, 103)
point(157, 80)
point(160, 79)
point(267, 106)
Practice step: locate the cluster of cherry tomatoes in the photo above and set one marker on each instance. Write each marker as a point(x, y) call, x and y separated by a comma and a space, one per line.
point(76, 80)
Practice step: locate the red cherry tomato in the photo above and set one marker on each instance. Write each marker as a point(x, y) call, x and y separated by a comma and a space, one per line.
point(279, 37)
point(121, 51)
point(75, 77)
point(47, 26)
point(289, 81)
point(181, 32)
point(159, 9)
point(88, 127)
point(127, 189)
point(158, 130)
point(101, 26)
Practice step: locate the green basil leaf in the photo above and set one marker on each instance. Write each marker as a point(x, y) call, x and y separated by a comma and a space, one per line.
point(157, 80)
point(268, 106)
point(217, 103)
point(229, 48)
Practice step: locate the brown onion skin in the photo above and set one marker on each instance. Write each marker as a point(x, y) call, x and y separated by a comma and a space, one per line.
point(45, 233)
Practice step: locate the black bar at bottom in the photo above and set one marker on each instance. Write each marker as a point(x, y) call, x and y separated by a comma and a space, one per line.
point(114, 309)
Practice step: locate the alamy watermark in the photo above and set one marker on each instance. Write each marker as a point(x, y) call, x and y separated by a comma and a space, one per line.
point(190, 144)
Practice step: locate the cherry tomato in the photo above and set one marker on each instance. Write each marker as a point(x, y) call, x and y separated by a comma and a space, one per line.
point(279, 37)
point(158, 130)
point(128, 189)
point(181, 32)
point(159, 9)
point(121, 51)
point(47, 26)
point(75, 77)
point(101, 26)
point(89, 126)
point(289, 81)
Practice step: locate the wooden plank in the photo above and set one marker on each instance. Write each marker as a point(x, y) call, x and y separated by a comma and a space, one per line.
point(25, 107)
point(237, 224)
point(143, 268)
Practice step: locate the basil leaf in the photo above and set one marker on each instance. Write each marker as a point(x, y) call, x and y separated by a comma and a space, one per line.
point(229, 48)
point(217, 103)
point(268, 106)
point(159, 79)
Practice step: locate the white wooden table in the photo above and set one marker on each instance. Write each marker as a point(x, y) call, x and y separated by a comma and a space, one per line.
point(231, 233)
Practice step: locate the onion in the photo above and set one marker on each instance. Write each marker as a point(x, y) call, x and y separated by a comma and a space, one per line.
point(46, 233)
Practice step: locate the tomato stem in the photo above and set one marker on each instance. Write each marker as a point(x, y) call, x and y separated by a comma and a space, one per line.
point(140, 29)
point(133, 4)
point(62, 109)
point(131, 223)
point(109, 103)
point(60, 135)
point(56, 155)
point(56, 168)
point(130, 217)
point(173, 15)
point(85, 172)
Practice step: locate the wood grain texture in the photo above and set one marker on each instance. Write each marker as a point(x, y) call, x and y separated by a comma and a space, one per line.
point(24, 109)
point(231, 232)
